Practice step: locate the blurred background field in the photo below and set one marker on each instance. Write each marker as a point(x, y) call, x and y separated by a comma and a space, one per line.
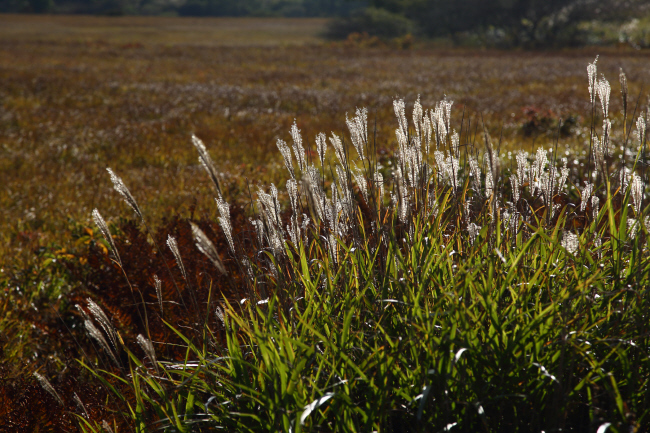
point(161, 30)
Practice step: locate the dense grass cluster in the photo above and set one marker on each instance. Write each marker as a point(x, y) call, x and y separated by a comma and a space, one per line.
point(441, 288)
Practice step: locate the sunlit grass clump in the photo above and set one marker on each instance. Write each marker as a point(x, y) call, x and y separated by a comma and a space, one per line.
point(441, 289)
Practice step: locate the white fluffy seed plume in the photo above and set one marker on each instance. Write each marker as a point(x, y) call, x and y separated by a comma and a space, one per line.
point(173, 246)
point(358, 127)
point(103, 320)
point(586, 195)
point(338, 148)
point(570, 242)
point(640, 130)
point(103, 228)
point(224, 221)
point(321, 147)
point(106, 426)
point(206, 161)
point(147, 348)
point(97, 335)
point(632, 227)
point(47, 386)
point(220, 315)
point(205, 245)
point(604, 90)
point(121, 188)
point(636, 192)
point(592, 71)
point(298, 149)
point(158, 286)
point(473, 231)
point(286, 154)
point(400, 112)
point(595, 203)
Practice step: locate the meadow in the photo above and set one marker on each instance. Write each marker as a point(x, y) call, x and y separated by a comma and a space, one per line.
point(393, 336)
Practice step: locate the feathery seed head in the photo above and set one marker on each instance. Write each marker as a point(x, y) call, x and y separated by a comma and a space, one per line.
point(103, 320)
point(147, 348)
point(99, 337)
point(523, 167)
point(297, 146)
point(564, 175)
point(121, 188)
point(489, 182)
point(453, 167)
point(321, 147)
point(570, 242)
point(224, 221)
point(604, 90)
point(173, 246)
point(338, 148)
point(103, 228)
point(455, 144)
point(473, 231)
point(206, 161)
point(379, 183)
point(427, 132)
point(632, 227)
point(595, 202)
point(623, 178)
point(440, 163)
point(640, 130)
point(358, 130)
point(361, 182)
point(292, 189)
point(417, 117)
point(220, 315)
point(514, 180)
point(586, 195)
point(286, 154)
point(591, 74)
point(205, 245)
point(400, 112)
point(475, 173)
point(259, 231)
point(47, 386)
point(305, 226)
point(446, 103)
point(636, 192)
point(158, 286)
point(438, 121)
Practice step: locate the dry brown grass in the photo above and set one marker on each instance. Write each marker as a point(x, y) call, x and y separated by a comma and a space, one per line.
point(161, 30)
point(79, 94)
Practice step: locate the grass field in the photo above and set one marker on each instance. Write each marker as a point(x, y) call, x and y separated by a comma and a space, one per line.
point(79, 94)
point(94, 92)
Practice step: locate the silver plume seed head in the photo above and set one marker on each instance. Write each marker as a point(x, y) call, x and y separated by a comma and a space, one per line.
point(121, 188)
point(205, 245)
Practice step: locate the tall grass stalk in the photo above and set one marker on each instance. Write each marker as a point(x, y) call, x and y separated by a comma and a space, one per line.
point(437, 295)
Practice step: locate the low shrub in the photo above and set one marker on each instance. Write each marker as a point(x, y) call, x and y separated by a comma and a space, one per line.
point(372, 21)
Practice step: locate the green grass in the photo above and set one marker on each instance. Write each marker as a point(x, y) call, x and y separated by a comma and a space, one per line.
point(405, 318)
point(507, 334)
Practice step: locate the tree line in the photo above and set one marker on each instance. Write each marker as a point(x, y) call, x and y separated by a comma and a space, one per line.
point(296, 8)
point(506, 22)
